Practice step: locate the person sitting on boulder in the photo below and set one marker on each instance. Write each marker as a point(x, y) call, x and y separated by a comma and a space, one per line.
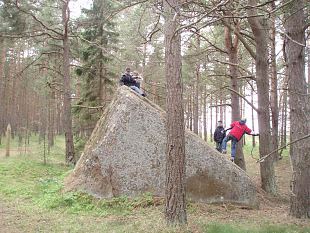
point(219, 135)
point(137, 78)
point(129, 81)
point(238, 129)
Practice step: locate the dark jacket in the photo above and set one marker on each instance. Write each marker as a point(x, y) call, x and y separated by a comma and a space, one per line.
point(128, 80)
point(219, 134)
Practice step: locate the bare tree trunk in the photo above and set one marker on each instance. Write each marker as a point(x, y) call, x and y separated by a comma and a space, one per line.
point(232, 49)
point(252, 114)
point(190, 110)
point(221, 108)
point(196, 90)
point(204, 114)
point(259, 29)
point(2, 83)
point(274, 86)
point(299, 109)
point(216, 110)
point(284, 118)
point(211, 121)
point(70, 156)
point(175, 210)
point(8, 140)
point(308, 62)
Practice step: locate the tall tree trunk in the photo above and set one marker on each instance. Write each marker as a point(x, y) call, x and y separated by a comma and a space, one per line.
point(274, 86)
point(51, 119)
point(299, 109)
point(70, 156)
point(175, 210)
point(252, 114)
point(190, 110)
point(8, 140)
point(221, 108)
point(232, 49)
point(2, 87)
point(216, 110)
point(196, 90)
point(204, 114)
point(308, 63)
point(259, 29)
point(211, 121)
point(195, 101)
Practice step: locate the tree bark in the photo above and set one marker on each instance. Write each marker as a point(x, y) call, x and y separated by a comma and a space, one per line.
point(70, 156)
point(190, 109)
point(308, 83)
point(259, 29)
point(211, 121)
point(252, 114)
point(274, 86)
point(2, 87)
point(232, 49)
point(196, 90)
point(8, 141)
point(204, 114)
point(175, 211)
point(299, 109)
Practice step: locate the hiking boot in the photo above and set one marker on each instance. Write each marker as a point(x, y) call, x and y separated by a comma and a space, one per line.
point(232, 159)
point(224, 151)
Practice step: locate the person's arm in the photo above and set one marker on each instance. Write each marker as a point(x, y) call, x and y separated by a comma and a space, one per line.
point(250, 132)
point(227, 129)
point(131, 80)
point(254, 134)
point(247, 130)
point(214, 135)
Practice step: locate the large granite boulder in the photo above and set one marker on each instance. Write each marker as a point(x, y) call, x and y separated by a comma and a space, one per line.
point(125, 155)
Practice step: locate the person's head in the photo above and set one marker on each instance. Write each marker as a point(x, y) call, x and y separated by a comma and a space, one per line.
point(219, 123)
point(127, 70)
point(242, 121)
point(135, 73)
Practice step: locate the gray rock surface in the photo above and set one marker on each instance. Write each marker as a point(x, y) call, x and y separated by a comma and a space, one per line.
point(125, 155)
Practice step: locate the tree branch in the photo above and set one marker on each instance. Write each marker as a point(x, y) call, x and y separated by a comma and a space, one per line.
point(36, 19)
point(88, 107)
point(262, 159)
point(248, 102)
point(241, 38)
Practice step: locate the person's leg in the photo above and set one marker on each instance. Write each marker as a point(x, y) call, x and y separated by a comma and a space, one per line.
point(136, 89)
point(224, 144)
point(233, 149)
point(218, 146)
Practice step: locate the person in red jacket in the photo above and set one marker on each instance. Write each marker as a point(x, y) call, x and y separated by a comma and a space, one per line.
point(238, 129)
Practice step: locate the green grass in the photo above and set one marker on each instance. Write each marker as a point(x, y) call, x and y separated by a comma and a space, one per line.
point(33, 196)
point(228, 228)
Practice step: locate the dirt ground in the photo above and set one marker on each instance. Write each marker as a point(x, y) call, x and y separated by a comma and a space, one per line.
point(273, 210)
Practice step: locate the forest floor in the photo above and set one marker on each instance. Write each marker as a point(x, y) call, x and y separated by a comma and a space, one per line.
point(31, 201)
